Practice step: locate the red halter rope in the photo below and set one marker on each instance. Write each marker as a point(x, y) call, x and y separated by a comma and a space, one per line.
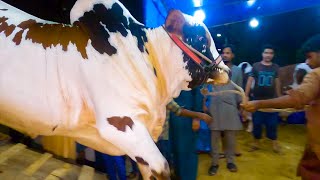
point(185, 49)
point(192, 53)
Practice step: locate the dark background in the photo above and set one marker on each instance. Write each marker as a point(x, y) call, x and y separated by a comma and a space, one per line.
point(58, 10)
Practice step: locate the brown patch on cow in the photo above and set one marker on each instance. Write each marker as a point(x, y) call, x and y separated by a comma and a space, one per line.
point(120, 123)
point(49, 34)
point(9, 30)
point(158, 176)
point(3, 24)
point(4, 27)
point(286, 76)
point(26, 24)
point(17, 38)
point(164, 174)
point(141, 161)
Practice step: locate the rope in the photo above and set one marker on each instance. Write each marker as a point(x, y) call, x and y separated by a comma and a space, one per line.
point(241, 92)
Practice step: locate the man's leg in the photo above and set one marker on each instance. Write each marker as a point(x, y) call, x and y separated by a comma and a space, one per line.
point(121, 167)
point(224, 147)
point(215, 139)
point(272, 128)
point(183, 143)
point(309, 165)
point(110, 166)
point(257, 119)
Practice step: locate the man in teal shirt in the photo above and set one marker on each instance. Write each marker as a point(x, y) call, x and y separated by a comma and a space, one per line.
point(183, 138)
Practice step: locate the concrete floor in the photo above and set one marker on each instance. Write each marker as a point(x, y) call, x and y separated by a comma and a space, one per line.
point(263, 164)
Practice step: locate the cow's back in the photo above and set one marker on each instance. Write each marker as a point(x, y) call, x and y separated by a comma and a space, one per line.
point(32, 73)
point(49, 70)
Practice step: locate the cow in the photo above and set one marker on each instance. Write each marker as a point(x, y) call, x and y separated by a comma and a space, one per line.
point(104, 79)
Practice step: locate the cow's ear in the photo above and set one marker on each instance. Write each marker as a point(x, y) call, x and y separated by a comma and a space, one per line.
point(175, 22)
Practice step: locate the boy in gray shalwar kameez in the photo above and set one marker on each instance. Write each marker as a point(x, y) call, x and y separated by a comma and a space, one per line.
point(224, 108)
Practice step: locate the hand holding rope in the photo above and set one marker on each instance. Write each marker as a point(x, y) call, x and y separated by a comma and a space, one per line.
point(241, 92)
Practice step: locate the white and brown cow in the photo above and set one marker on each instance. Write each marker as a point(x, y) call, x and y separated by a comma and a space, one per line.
point(105, 80)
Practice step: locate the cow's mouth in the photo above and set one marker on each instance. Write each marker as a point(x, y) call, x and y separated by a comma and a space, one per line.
point(220, 70)
point(219, 76)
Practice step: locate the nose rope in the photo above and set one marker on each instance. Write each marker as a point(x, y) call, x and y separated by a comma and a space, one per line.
point(191, 52)
point(216, 61)
point(241, 92)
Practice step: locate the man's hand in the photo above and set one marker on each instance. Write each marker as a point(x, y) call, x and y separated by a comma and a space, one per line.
point(250, 106)
point(208, 119)
point(204, 91)
point(195, 124)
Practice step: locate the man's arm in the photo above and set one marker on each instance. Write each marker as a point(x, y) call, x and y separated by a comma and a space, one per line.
point(296, 98)
point(179, 111)
point(280, 102)
point(278, 87)
point(204, 106)
point(196, 115)
point(248, 86)
point(240, 79)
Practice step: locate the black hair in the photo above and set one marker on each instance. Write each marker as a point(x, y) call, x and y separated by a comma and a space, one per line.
point(231, 46)
point(267, 46)
point(312, 44)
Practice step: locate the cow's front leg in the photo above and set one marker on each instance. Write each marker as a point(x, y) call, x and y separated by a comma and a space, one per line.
point(132, 137)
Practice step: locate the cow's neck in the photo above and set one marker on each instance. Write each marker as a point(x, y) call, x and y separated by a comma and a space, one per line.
point(167, 61)
point(165, 57)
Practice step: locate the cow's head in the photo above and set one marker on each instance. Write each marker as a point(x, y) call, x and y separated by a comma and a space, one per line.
point(199, 38)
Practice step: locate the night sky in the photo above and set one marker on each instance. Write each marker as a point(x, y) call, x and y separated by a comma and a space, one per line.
point(284, 31)
point(58, 10)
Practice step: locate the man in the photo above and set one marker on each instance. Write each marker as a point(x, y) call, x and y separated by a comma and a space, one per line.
point(163, 142)
point(224, 108)
point(306, 93)
point(267, 85)
point(228, 56)
point(182, 136)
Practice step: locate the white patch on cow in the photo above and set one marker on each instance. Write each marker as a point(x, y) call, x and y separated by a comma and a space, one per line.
point(299, 66)
point(248, 68)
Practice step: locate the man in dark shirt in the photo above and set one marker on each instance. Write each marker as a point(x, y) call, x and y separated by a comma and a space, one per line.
point(267, 85)
point(307, 93)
